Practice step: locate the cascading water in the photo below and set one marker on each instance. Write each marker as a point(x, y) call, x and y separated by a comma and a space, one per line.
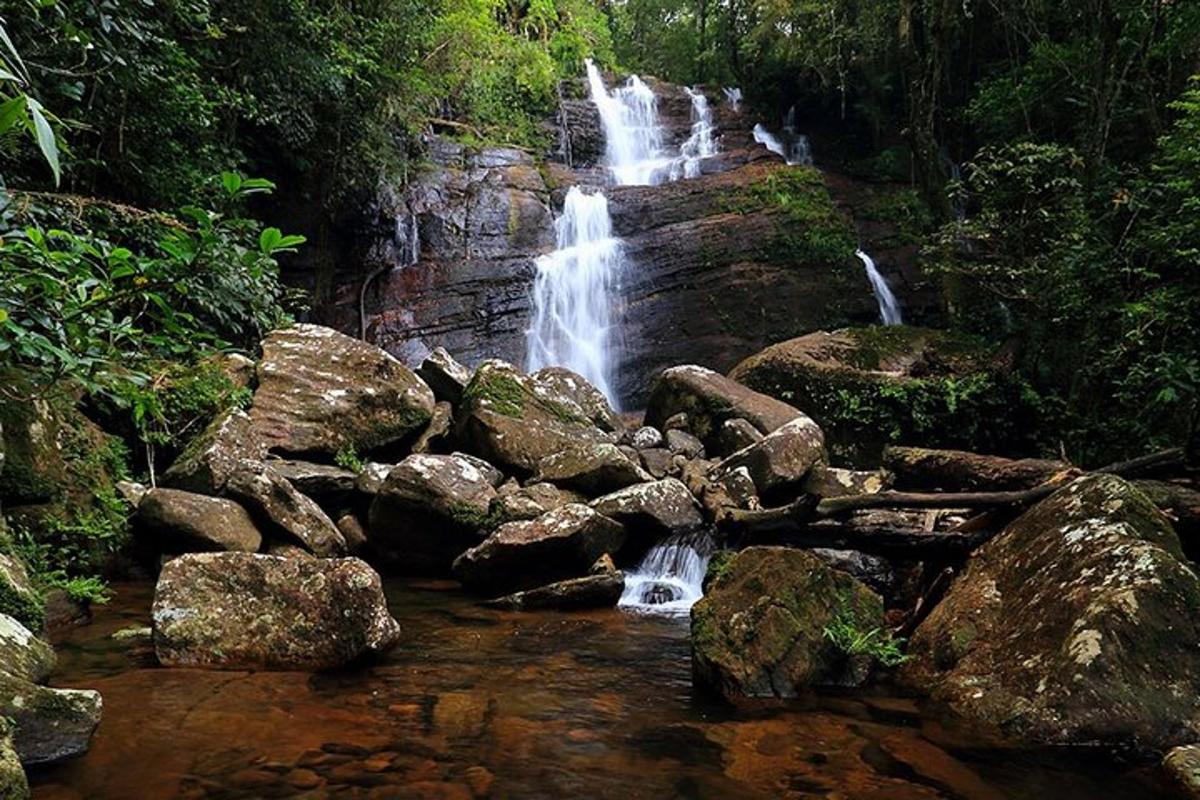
point(700, 144)
point(669, 580)
point(733, 96)
point(633, 139)
point(769, 140)
point(573, 294)
point(797, 152)
point(889, 308)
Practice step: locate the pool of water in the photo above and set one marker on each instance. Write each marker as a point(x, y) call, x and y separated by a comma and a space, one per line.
point(480, 703)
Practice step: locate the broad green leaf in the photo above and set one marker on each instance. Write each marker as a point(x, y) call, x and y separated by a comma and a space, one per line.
point(45, 137)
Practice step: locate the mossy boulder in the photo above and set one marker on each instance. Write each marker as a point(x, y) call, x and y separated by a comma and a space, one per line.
point(870, 387)
point(22, 654)
point(761, 628)
point(322, 392)
point(250, 611)
point(206, 463)
point(50, 724)
point(560, 382)
point(19, 598)
point(561, 544)
point(708, 399)
point(514, 421)
point(1079, 624)
point(13, 783)
point(429, 510)
point(780, 461)
point(593, 469)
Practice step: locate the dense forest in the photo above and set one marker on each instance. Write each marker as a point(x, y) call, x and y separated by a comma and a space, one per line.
point(170, 170)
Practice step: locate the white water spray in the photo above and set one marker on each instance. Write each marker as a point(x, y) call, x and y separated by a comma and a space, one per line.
point(798, 151)
point(769, 140)
point(573, 294)
point(670, 578)
point(889, 308)
point(633, 139)
point(733, 96)
point(700, 144)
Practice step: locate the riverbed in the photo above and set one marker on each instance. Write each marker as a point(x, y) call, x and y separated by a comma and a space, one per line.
point(482, 703)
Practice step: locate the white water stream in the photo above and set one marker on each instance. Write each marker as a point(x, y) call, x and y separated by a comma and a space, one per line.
point(889, 308)
point(700, 144)
point(669, 580)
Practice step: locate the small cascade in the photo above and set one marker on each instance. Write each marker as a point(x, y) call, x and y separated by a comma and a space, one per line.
point(670, 578)
point(889, 308)
point(573, 294)
point(769, 140)
point(797, 151)
point(733, 96)
point(700, 144)
point(800, 151)
point(407, 240)
point(633, 138)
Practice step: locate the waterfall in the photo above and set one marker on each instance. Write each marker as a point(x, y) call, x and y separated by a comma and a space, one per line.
point(573, 294)
point(700, 144)
point(407, 240)
point(889, 309)
point(633, 139)
point(669, 580)
point(800, 151)
point(733, 96)
point(769, 140)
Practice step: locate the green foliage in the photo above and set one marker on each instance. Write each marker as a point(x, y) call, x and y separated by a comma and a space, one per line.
point(847, 636)
point(813, 232)
point(348, 458)
point(20, 111)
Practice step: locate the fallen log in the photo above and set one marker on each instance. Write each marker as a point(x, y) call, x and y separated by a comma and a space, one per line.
point(882, 540)
point(834, 506)
point(923, 469)
point(1173, 458)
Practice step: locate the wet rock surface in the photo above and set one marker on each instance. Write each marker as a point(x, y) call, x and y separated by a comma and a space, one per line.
point(283, 512)
point(1078, 624)
point(243, 611)
point(708, 399)
point(172, 521)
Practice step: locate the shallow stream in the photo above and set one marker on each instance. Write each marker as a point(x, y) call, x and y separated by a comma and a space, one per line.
point(481, 703)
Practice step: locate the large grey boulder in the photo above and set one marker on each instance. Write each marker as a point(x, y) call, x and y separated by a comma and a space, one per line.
point(708, 399)
point(782, 459)
point(1079, 624)
point(249, 611)
point(560, 544)
point(445, 376)
point(514, 422)
point(174, 521)
point(652, 511)
point(320, 391)
point(592, 469)
point(763, 627)
point(562, 383)
point(429, 510)
point(282, 511)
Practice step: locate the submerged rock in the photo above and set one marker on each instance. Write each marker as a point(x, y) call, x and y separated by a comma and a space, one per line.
point(708, 399)
point(601, 589)
point(515, 422)
point(320, 391)
point(174, 521)
point(782, 459)
point(591, 469)
point(283, 511)
point(245, 611)
point(51, 724)
point(761, 628)
point(428, 511)
point(1079, 624)
point(560, 544)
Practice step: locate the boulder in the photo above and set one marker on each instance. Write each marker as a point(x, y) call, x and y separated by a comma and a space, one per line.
point(1182, 766)
point(658, 461)
point(174, 521)
point(515, 502)
point(13, 783)
point(445, 376)
point(18, 596)
point(560, 544)
point(429, 510)
point(709, 398)
point(22, 654)
point(370, 480)
point(353, 532)
point(325, 483)
point(560, 382)
point(494, 476)
point(763, 627)
point(320, 391)
point(514, 422)
point(281, 511)
point(50, 724)
point(247, 611)
point(645, 438)
point(592, 469)
point(862, 384)
point(735, 434)
point(826, 481)
point(437, 434)
point(782, 459)
point(684, 444)
point(601, 589)
point(207, 462)
point(874, 571)
point(651, 511)
point(1078, 624)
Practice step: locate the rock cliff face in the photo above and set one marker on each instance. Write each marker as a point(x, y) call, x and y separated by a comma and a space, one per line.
point(715, 272)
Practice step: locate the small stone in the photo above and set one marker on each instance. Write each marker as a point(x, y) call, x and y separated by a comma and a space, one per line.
point(683, 443)
point(646, 437)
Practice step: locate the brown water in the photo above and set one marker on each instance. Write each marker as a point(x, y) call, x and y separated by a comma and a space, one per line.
point(479, 703)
